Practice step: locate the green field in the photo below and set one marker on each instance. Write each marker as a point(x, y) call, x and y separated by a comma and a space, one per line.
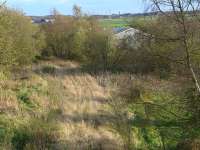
point(124, 22)
point(119, 22)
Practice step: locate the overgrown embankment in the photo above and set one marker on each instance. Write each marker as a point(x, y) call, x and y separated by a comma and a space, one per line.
point(60, 106)
point(57, 106)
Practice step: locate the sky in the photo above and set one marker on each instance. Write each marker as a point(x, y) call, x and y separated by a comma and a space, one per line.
point(44, 7)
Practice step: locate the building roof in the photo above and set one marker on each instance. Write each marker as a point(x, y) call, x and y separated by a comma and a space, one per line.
point(121, 33)
point(119, 29)
point(41, 19)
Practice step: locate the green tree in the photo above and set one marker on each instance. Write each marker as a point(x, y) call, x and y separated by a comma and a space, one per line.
point(20, 40)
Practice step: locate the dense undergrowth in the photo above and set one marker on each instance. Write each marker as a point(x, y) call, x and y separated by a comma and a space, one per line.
point(73, 85)
point(32, 110)
point(27, 110)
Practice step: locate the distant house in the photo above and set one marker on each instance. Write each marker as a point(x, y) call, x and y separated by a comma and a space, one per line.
point(42, 20)
point(128, 36)
point(119, 29)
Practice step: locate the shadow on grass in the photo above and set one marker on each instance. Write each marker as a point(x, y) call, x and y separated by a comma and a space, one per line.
point(95, 120)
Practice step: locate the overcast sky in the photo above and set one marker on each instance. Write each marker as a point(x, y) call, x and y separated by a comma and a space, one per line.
point(43, 7)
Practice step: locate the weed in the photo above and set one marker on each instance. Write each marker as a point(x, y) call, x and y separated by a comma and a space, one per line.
point(23, 95)
point(20, 139)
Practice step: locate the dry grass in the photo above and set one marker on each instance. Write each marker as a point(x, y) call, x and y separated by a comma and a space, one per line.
point(82, 111)
point(78, 102)
point(8, 100)
point(66, 97)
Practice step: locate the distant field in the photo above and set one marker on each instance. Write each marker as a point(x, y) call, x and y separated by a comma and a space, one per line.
point(119, 22)
point(123, 22)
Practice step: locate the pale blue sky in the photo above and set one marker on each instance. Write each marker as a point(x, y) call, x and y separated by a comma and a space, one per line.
point(43, 7)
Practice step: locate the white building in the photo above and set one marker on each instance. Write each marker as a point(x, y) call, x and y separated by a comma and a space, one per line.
point(122, 33)
point(128, 36)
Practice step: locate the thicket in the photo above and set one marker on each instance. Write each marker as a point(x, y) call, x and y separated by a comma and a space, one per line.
point(79, 38)
point(171, 40)
point(20, 40)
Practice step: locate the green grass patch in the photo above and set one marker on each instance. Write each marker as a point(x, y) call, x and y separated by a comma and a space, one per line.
point(119, 22)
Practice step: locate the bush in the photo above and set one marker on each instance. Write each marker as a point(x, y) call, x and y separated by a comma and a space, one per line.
point(59, 37)
point(23, 95)
point(80, 38)
point(20, 40)
point(99, 53)
point(20, 139)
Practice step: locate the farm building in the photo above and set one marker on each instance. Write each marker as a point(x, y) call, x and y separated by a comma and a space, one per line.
point(122, 33)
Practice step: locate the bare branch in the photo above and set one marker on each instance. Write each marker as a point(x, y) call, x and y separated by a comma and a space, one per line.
point(180, 11)
point(3, 4)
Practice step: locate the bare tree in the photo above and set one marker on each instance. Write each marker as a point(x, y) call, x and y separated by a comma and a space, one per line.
point(185, 13)
point(2, 3)
point(77, 12)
